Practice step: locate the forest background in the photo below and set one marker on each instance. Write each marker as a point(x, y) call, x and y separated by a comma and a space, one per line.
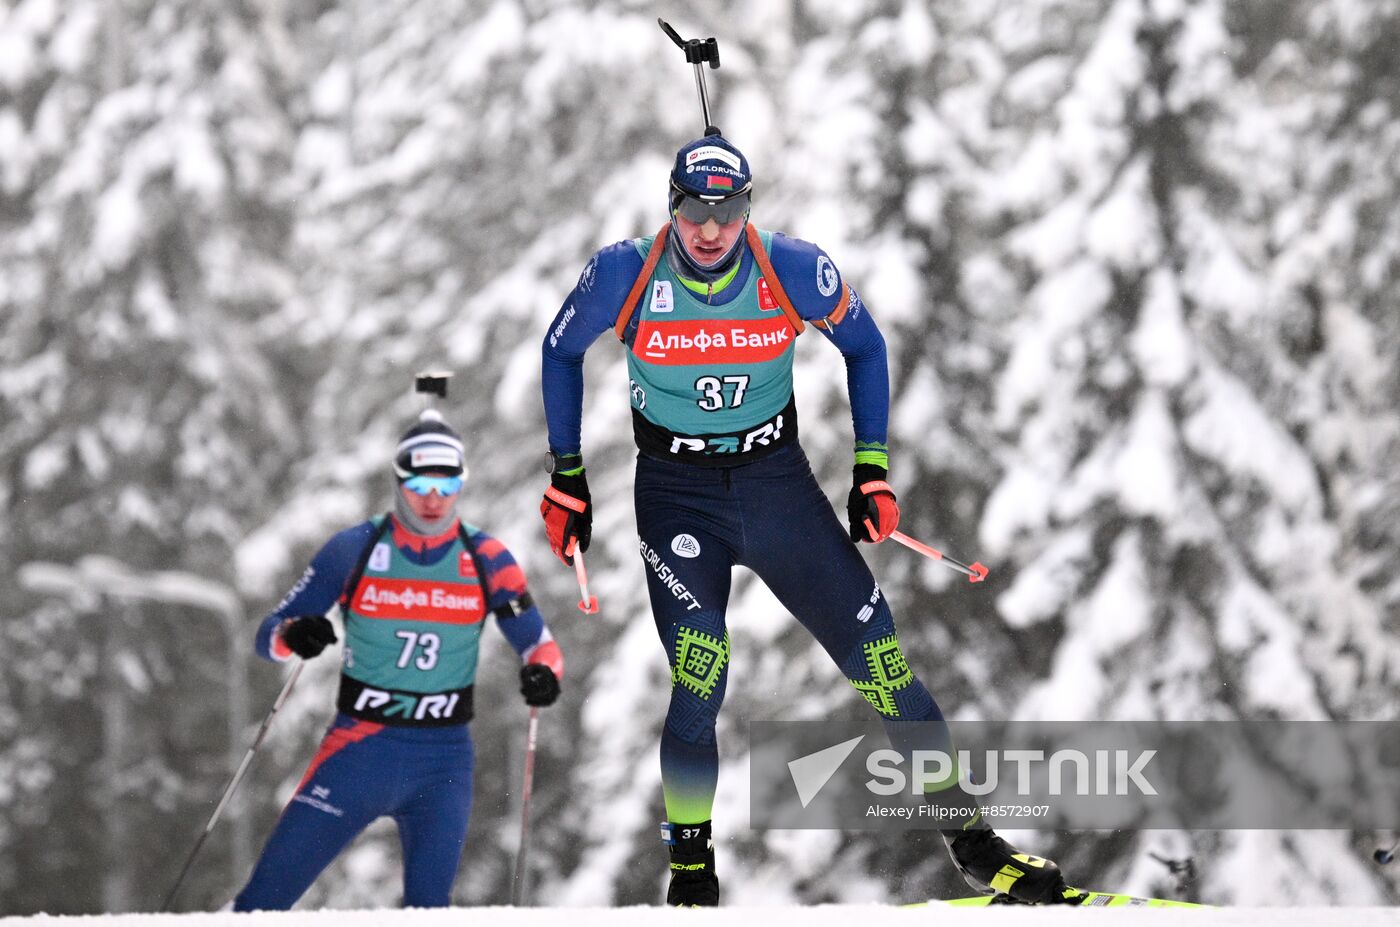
point(1135, 261)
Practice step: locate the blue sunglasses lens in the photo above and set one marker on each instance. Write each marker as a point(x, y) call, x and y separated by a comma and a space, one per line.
point(427, 485)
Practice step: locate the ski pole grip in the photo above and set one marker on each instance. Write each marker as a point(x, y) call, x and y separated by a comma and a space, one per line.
point(916, 546)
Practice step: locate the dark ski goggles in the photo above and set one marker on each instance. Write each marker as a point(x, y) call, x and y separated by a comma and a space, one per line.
point(697, 210)
point(427, 485)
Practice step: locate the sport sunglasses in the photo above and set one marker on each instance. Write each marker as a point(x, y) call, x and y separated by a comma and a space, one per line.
point(427, 485)
point(723, 211)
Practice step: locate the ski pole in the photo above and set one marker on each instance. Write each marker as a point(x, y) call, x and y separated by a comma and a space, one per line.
point(698, 52)
point(233, 785)
point(517, 882)
point(589, 604)
point(975, 573)
point(1183, 870)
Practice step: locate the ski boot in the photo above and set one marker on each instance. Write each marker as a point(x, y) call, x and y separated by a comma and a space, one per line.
point(990, 864)
point(693, 880)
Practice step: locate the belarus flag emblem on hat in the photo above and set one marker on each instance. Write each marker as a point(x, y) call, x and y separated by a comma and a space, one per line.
point(711, 181)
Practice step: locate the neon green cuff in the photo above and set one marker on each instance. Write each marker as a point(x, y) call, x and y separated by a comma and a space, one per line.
point(878, 458)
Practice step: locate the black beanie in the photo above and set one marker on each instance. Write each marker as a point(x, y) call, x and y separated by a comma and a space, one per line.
point(430, 446)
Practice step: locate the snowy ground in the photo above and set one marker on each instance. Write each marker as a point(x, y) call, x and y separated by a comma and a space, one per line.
point(825, 916)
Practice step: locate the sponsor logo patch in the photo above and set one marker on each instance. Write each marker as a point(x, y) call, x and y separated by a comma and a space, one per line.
point(558, 332)
point(712, 341)
point(668, 578)
point(713, 153)
point(414, 600)
point(466, 566)
point(379, 558)
point(319, 805)
point(856, 306)
point(712, 169)
point(766, 301)
point(391, 704)
point(685, 545)
point(867, 611)
point(434, 457)
point(770, 432)
point(827, 278)
point(661, 300)
point(297, 589)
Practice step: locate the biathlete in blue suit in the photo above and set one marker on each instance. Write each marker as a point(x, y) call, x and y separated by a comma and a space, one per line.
point(709, 310)
point(414, 587)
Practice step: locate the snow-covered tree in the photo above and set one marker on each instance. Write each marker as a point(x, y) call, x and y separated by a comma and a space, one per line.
point(1174, 532)
point(147, 416)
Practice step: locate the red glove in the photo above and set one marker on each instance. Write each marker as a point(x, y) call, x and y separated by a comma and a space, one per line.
point(568, 515)
point(871, 506)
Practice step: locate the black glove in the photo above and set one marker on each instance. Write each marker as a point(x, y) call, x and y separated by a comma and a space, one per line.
point(308, 635)
point(568, 514)
point(871, 498)
point(538, 684)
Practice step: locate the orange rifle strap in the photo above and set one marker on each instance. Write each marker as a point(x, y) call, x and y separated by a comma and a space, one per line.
point(839, 312)
point(658, 247)
point(765, 267)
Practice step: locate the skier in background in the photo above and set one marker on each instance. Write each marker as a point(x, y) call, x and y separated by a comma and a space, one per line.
point(414, 587)
point(708, 310)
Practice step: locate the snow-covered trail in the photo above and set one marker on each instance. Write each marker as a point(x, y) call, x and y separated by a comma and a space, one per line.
point(823, 916)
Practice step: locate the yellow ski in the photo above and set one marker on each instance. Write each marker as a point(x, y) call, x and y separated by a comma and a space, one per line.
point(1090, 900)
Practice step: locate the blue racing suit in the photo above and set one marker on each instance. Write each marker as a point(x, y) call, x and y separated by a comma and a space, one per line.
point(721, 479)
point(400, 744)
